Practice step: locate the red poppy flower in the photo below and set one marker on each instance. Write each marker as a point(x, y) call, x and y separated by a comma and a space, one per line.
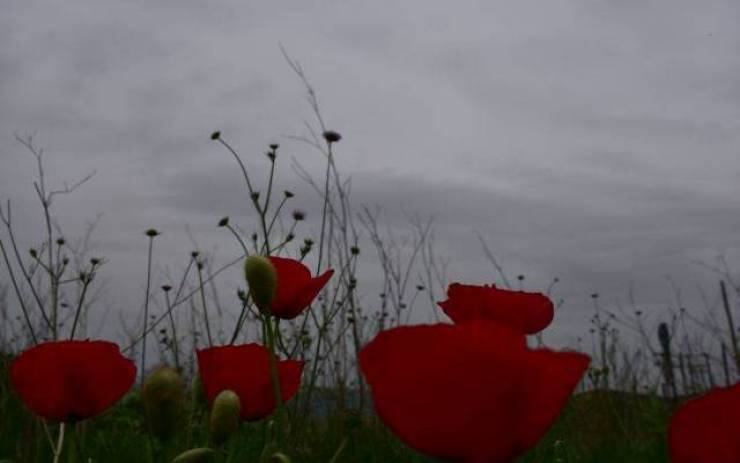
point(468, 393)
point(705, 429)
point(72, 380)
point(245, 369)
point(528, 312)
point(296, 289)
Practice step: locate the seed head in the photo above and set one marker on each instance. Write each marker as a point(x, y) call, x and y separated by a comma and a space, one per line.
point(331, 136)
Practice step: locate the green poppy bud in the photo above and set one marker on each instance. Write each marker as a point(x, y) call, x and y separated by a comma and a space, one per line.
point(261, 278)
point(163, 400)
point(279, 457)
point(199, 455)
point(225, 415)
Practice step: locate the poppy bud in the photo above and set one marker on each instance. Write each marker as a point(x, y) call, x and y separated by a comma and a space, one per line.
point(223, 222)
point(279, 457)
point(33, 253)
point(60, 242)
point(163, 397)
point(274, 146)
point(298, 215)
point(288, 194)
point(199, 455)
point(261, 278)
point(151, 233)
point(166, 288)
point(225, 415)
point(95, 261)
point(215, 135)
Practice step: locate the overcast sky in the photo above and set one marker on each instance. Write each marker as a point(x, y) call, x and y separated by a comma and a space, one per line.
point(594, 141)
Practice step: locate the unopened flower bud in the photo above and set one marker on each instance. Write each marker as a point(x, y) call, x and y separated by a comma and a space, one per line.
point(151, 233)
point(279, 457)
point(288, 194)
point(298, 215)
point(199, 455)
point(163, 398)
point(223, 222)
point(261, 278)
point(215, 135)
point(225, 415)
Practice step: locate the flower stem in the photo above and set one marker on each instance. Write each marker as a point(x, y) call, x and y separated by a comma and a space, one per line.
point(274, 373)
point(60, 443)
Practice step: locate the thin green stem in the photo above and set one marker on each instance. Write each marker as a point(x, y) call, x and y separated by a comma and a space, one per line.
point(175, 348)
point(86, 279)
point(199, 266)
point(275, 377)
point(146, 310)
point(24, 309)
point(323, 213)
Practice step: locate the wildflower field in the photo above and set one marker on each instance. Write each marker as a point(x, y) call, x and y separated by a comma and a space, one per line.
point(306, 373)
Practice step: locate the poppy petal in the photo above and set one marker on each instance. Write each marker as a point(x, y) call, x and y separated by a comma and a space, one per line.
point(245, 369)
point(72, 380)
point(704, 430)
point(529, 312)
point(308, 293)
point(552, 376)
point(456, 392)
point(291, 276)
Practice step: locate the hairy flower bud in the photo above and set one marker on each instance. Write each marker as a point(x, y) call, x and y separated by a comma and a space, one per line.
point(279, 457)
point(163, 399)
point(225, 415)
point(199, 455)
point(261, 278)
